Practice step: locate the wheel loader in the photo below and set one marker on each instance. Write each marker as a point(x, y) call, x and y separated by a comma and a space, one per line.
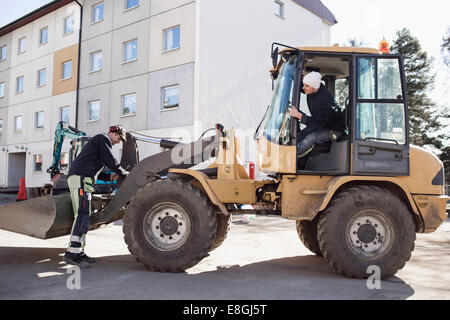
point(358, 200)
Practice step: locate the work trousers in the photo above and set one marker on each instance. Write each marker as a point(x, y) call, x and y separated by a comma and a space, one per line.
point(81, 189)
point(306, 143)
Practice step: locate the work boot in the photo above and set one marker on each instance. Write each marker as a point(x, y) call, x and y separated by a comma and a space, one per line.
point(86, 258)
point(75, 259)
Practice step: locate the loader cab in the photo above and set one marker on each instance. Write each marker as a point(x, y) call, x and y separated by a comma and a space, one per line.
point(369, 88)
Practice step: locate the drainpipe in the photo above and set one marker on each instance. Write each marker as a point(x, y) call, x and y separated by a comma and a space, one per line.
point(78, 65)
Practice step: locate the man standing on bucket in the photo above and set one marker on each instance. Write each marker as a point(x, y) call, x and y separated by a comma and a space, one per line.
point(93, 157)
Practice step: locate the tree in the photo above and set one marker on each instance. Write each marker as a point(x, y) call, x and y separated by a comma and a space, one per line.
point(445, 48)
point(424, 118)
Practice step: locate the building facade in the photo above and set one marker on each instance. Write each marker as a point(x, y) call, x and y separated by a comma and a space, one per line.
point(167, 68)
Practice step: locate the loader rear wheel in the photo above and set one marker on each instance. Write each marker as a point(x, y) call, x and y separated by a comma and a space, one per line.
point(364, 227)
point(223, 227)
point(307, 232)
point(169, 226)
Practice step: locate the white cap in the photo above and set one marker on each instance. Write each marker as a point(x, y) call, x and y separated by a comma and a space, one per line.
point(313, 79)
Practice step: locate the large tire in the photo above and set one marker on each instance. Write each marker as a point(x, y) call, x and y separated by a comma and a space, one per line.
point(307, 232)
point(223, 227)
point(366, 226)
point(169, 226)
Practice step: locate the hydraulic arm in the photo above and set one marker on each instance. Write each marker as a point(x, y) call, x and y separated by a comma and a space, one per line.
point(60, 133)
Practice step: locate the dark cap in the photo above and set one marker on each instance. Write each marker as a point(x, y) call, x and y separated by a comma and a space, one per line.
point(120, 131)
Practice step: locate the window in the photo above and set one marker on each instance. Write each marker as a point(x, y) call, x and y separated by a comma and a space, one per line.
point(1, 127)
point(279, 8)
point(96, 61)
point(130, 51)
point(2, 89)
point(381, 121)
point(172, 38)
point(64, 162)
point(129, 104)
point(37, 163)
point(94, 110)
point(18, 123)
point(41, 77)
point(66, 70)
point(21, 46)
point(170, 97)
point(380, 109)
point(379, 79)
point(39, 120)
point(65, 114)
point(3, 53)
point(97, 12)
point(43, 39)
point(69, 25)
point(131, 4)
point(19, 84)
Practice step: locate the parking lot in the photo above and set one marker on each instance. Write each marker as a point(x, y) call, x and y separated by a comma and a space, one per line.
point(260, 260)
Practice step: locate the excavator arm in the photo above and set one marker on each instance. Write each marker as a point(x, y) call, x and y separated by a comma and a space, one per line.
point(61, 133)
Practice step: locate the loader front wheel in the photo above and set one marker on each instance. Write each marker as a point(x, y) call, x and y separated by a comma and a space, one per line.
point(169, 226)
point(366, 230)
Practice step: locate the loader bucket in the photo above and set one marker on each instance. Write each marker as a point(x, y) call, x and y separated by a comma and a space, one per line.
point(42, 217)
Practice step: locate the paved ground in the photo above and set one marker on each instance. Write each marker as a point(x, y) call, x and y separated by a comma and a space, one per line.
point(261, 260)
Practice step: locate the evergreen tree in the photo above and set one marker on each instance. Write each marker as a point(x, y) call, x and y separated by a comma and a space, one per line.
point(423, 115)
point(446, 48)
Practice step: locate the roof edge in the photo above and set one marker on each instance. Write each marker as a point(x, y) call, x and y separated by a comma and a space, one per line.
point(34, 15)
point(319, 9)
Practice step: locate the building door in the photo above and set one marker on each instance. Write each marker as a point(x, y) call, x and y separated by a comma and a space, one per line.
point(16, 168)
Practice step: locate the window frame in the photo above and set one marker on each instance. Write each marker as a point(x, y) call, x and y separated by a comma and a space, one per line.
point(38, 84)
point(40, 36)
point(125, 51)
point(17, 84)
point(19, 45)
point(16, 129)
point(165, 38)
point(2, 85)
point(35, 156)
point(62, 70)
point(65, 25)
point(5, 47)
point(89, 110)
point(281, 6)
point(358, 101)
point(91, 65)
point(122, 114)
point(98, 4)
point(126, 8)
point(163, 91)
point(61, 113)
point(36, 117)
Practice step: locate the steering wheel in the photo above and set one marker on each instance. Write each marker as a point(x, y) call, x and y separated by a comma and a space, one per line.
point(283, 135)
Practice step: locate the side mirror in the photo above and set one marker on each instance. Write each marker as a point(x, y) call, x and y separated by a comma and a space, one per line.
point(275, 57)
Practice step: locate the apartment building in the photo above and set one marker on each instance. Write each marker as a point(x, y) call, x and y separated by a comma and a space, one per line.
point(168, 68)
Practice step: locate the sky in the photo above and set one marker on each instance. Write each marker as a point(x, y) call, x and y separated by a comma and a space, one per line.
point(373, 20)
point(366, 20)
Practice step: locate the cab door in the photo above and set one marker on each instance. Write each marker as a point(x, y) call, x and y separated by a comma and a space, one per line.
point(380, 130)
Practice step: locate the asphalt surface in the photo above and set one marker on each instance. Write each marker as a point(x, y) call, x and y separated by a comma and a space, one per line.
point(260, 260)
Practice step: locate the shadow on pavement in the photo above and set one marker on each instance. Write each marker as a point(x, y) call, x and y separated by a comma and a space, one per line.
point(40, 273)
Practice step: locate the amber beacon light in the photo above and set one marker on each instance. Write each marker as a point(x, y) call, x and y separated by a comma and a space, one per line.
point(384, 46)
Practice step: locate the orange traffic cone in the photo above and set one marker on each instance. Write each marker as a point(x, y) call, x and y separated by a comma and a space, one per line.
point(22, 195)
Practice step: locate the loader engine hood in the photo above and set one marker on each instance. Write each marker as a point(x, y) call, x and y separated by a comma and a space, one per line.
point(426, 172)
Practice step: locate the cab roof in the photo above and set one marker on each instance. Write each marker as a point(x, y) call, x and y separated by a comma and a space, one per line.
point(335, 48)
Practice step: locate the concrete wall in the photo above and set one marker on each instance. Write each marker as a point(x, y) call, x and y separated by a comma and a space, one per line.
point(184, 114)
point(232, 84)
